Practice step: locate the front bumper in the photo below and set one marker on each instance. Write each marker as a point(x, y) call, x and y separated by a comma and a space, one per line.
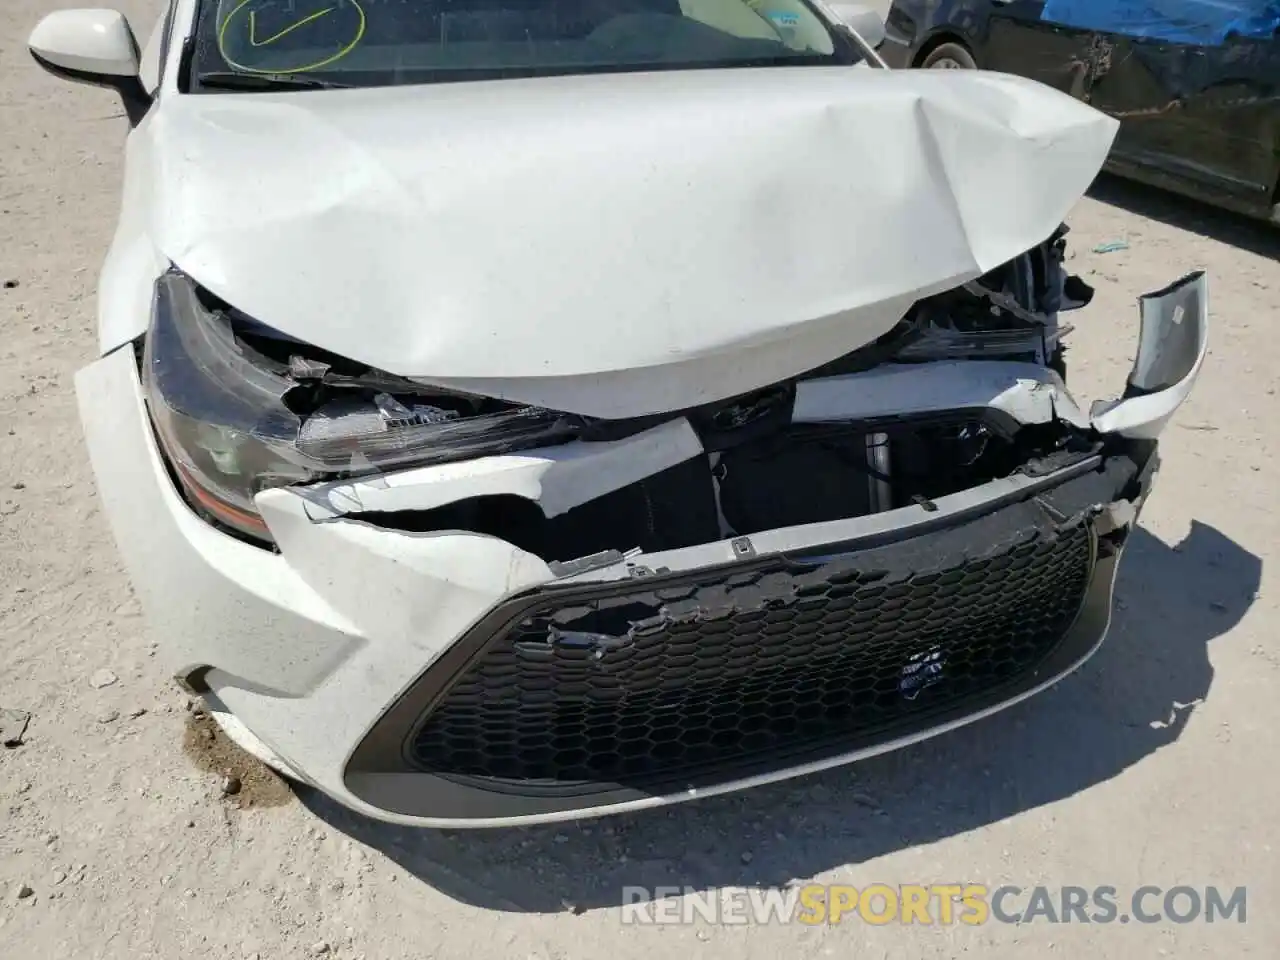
point(381, 666)
point(741, 673)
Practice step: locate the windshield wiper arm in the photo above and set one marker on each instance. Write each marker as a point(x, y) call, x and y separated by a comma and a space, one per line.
point(230, 80)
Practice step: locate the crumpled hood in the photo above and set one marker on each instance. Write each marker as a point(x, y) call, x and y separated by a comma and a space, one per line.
point(614, 245)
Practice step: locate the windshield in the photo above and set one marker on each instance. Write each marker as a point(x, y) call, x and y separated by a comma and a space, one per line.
point(377, 42)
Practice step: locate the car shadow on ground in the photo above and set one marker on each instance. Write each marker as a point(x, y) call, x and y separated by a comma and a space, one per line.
point(1133, 698)
point(1234, 229)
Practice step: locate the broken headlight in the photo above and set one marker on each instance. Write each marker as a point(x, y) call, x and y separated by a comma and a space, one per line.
point(239, 409)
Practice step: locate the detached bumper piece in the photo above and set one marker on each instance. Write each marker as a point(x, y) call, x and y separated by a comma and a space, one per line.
point(572, 698)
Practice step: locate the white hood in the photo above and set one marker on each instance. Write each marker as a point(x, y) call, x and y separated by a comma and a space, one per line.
point(614, 245)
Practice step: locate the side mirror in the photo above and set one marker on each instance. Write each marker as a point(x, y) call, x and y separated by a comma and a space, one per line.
point(95, 47)
point(862, 20)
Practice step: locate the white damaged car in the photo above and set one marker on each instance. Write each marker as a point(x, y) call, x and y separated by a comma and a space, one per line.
point(519, 410)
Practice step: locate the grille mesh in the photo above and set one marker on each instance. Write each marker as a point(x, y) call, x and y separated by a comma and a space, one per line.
point(649, 685)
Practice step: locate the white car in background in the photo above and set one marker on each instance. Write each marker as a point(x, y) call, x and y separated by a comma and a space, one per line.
point(512, 412)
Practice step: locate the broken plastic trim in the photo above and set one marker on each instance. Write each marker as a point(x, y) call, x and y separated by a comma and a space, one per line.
point(221, 416)
point(1168, 346)
point(1006, 395)
point(376, 769)
point(1172, 345)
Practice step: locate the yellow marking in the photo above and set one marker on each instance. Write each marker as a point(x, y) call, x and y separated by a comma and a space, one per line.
point(253, 27)
point(304, 68)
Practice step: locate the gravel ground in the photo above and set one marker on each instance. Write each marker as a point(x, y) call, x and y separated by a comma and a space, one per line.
point(1151, 765)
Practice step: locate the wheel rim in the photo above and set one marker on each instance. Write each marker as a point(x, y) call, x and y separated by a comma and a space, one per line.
point(946, 63)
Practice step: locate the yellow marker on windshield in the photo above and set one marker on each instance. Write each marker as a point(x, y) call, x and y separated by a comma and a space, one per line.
point(253, 27)
point(251, 35)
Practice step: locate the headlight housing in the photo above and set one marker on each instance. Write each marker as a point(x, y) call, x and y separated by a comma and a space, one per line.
point(239, 409)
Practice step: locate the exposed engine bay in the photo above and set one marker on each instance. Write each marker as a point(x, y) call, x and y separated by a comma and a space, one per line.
point(763, 470)
point(763, 463)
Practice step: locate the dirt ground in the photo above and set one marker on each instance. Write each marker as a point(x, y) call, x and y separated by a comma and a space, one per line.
point(1155, 764)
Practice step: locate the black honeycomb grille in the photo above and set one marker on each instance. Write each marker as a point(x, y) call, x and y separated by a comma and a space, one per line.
point(651, 685)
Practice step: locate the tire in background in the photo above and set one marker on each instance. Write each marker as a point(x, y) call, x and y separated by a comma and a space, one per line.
point(949, 56)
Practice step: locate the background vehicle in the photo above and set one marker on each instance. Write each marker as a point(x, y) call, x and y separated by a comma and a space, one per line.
point(1196, 96)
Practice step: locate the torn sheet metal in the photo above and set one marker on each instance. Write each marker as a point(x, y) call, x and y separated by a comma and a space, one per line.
point(1173, 342)
point(557, 479)
point(1026, 392)
point(614, 245)
point(1172, 345)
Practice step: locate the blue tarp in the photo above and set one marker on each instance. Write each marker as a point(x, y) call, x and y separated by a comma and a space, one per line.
point(1203, 22)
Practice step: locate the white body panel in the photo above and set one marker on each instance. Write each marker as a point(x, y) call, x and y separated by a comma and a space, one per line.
point(667, 239)
point(609, 245)
point(308, 647)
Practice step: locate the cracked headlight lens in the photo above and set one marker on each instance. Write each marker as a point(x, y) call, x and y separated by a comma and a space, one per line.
point(233, 421)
